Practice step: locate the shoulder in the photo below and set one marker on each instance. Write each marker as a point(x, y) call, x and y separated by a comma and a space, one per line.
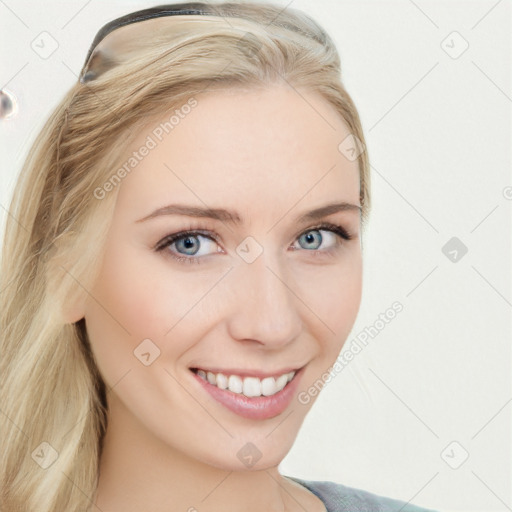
point(340, 498)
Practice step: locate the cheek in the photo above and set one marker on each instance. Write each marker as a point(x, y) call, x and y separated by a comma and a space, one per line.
point(140, 292)
point(140, 296)
point(128, 305)
point(334, 297)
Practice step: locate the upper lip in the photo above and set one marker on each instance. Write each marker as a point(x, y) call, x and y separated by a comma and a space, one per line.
point(248, 373)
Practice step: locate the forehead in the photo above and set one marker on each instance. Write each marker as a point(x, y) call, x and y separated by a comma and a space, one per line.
point(271, 146)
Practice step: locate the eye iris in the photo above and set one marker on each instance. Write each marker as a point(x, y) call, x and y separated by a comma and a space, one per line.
point(188, 242)
point(310, 238)
point(189, 245)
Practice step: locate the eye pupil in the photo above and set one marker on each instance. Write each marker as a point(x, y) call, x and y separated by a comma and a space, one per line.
point(310, 237)
point(188, 243)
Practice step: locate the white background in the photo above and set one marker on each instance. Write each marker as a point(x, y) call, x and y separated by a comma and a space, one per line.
point(438, 135)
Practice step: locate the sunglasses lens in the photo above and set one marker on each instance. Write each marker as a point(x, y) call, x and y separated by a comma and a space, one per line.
point(122, 42)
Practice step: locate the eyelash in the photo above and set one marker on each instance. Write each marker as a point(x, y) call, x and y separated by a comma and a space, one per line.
point(170, 239)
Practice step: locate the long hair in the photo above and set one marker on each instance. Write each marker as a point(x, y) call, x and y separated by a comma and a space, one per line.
point(53, 410)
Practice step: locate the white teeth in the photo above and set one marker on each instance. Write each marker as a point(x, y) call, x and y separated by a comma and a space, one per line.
point(268, 386)
point(281, 381)
point(252, 386)
point(248, 386)
point(235, 384)
point(222, 381)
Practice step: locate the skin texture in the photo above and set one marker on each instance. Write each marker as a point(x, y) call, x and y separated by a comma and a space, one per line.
point(270, 155)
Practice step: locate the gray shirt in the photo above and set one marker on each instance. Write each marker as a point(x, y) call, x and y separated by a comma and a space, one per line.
point(340, 498)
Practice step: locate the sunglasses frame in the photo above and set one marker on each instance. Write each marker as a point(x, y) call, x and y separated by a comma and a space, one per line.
point(189, 8)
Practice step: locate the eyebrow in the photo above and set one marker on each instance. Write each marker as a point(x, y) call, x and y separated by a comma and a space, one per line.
point(232, 217)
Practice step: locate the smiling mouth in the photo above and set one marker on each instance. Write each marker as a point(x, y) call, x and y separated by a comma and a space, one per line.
point(247, 386)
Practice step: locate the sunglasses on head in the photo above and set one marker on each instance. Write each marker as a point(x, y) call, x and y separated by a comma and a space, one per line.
point(117, 37)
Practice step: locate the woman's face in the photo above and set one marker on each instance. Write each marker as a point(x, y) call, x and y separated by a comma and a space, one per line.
point(258, 292)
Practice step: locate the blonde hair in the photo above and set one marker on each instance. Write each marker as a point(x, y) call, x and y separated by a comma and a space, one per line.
point(51, 389)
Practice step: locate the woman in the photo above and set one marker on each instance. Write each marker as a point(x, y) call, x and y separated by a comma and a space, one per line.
point(182, 264)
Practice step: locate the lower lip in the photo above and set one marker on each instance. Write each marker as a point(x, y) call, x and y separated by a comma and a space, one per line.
point(254, 408)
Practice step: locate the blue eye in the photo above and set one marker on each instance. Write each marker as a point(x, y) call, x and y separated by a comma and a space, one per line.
point(188, 242)
point(310, 238)
point(188, 245)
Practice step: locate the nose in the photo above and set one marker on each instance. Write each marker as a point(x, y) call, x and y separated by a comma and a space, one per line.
point(264, 307)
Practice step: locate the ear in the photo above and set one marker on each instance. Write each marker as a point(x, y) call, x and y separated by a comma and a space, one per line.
point(66, 293)
point(74, 310)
